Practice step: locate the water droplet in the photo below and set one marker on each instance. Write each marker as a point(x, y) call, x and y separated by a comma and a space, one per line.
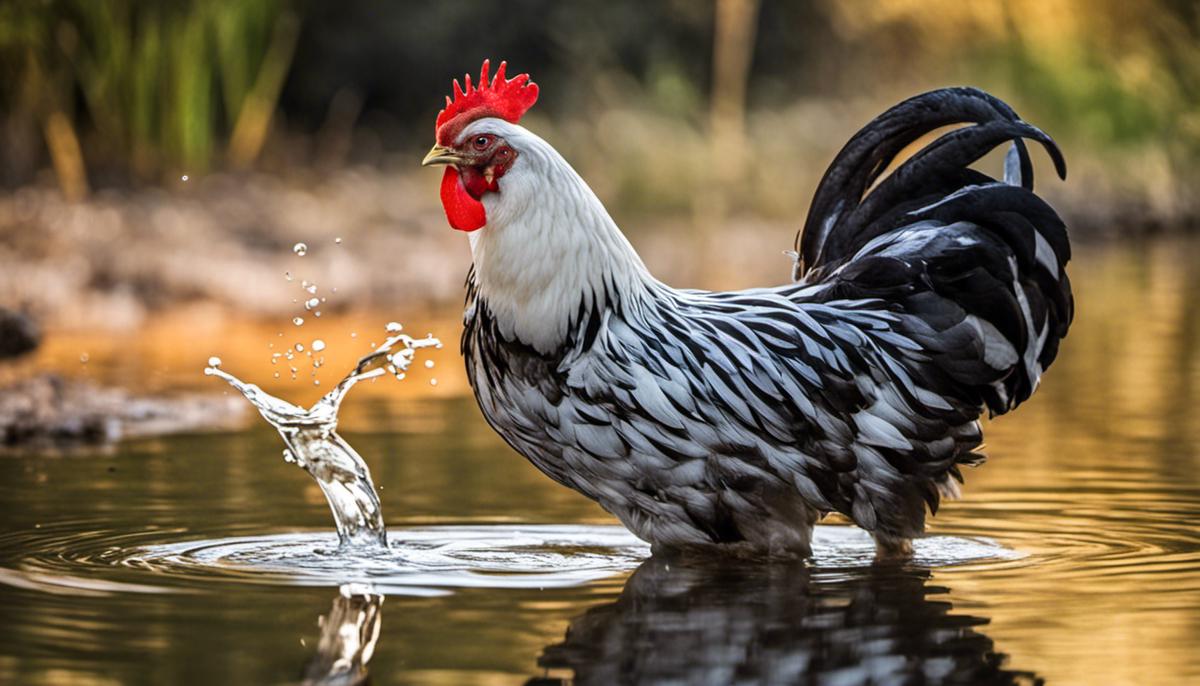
point(300, 249)
point(318, 345)
point(291, 355)
point(317, 313)
point(288, 456)
point(184, 177)
point(311, 303)
point(353, 334)
point(316, 382)
point(276, 375)
point(311, 288)
point(429, 364)
point(298, 320)
point(214, 361)
point(433, 382)
point(287, 275)
point(83, 358)
point(338, 240)
point(394, 327)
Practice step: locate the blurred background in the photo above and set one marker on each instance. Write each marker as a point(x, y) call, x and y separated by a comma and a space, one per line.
point(162, 160)
point(161, 154)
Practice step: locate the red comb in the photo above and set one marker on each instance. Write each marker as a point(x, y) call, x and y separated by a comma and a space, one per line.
point(507, 99)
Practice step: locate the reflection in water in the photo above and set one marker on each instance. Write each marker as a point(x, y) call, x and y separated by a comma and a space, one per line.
point(106, 571)
point(348, 636)
point(777, 625)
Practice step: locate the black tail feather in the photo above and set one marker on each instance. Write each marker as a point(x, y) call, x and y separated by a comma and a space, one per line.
point(975, 265)
point(841, 219)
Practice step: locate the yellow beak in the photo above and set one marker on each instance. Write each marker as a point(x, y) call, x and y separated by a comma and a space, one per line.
point(440, 154)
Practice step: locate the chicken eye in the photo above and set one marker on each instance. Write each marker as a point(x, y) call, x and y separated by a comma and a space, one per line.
point(482, 142)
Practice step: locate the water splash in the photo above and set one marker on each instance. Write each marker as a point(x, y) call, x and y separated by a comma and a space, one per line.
point(313, 443)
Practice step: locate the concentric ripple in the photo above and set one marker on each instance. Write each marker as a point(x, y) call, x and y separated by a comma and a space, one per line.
point(75, 559)
point(420, 562)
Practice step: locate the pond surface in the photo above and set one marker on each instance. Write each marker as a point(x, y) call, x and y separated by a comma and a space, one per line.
point(1073, 558)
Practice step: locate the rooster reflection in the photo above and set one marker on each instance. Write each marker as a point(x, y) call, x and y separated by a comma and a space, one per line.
point(776, 625)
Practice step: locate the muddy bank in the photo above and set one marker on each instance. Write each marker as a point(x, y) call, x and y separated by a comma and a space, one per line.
point(50, 411)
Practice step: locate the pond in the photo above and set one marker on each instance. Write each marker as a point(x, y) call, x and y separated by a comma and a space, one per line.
point(1074, 556)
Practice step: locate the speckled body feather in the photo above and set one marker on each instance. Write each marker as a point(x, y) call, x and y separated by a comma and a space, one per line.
point(739, 418)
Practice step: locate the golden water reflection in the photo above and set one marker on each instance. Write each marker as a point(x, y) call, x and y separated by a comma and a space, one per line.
point(1095, 480)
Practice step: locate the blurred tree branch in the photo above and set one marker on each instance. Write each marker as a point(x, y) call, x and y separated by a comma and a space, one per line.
point(733, 49)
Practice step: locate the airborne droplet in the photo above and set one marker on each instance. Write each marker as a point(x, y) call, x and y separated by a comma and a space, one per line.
point(429, 364)
point(300, 249)
point(214, 361)
point(298, 321)
point(394, 327)
point(311, 303)
point(318, 345)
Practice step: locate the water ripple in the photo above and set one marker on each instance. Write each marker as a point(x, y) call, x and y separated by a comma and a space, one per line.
point(73, 558)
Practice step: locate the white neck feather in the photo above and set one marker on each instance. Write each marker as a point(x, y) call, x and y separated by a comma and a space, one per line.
point(548, 246)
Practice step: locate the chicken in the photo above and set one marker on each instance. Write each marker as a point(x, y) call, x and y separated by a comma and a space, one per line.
point(733, 421)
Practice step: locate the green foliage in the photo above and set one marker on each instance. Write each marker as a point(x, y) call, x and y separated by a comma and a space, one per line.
point(162, 83)
point(1125, 102)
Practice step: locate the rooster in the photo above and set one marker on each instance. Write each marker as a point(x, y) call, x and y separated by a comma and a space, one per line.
point(733, 421)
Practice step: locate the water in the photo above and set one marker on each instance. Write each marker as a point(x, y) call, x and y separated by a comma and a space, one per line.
point(1074, 556)
point(314, 445)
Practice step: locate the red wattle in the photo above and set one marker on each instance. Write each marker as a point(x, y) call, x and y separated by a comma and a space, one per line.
point(463, 212)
